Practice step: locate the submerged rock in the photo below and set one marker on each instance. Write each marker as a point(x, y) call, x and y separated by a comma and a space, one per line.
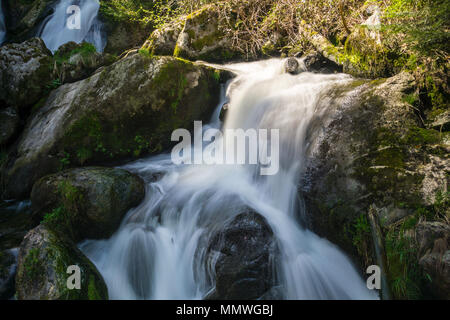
point(127, 110)
point(243, 252)
point(86, 202)
point(25, 70)
point(42, 269)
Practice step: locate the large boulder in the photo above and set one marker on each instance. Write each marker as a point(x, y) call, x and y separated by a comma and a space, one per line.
point(203, 37)
point(25, 70)
point(86, 202)
point(42, 270)
point(127, 110)
point(372, 151)
point(243, 252)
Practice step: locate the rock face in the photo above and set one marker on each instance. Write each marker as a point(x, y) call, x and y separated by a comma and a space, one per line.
point(24, 17)
point(42, 269)
point(25, 69)
point(86, 202)
point(127, 110)
point(203, 39)
point(9, 123)
point(244, 250)
point(433, 239)
point(163, 41)
point(373, 151)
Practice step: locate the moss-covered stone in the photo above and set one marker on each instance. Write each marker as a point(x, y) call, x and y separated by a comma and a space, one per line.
point(202, 37)
point(374, 153)
point(42, 269)
point(86, 202)
point(25, 70)
point(129, 109)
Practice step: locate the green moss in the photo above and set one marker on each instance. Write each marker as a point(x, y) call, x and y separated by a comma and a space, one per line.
point(86, 49)
point(32, 264)
point(145, 52)
point(404, 275)
point(420, 136)
point(93, 293)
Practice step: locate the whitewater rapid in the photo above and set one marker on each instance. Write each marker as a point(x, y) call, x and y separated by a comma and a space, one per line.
point(152, 255)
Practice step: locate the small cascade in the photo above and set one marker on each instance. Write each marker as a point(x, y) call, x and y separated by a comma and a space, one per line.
point(68, 24)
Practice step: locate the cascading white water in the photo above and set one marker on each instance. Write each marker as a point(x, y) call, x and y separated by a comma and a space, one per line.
point(56, 33)
point(2, 25)
point(152, 255)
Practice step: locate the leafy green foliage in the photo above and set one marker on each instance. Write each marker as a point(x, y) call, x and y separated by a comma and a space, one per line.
point(423, 24)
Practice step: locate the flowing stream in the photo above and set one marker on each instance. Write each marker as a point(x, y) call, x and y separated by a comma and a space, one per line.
point(56, 32)
point(2, 24)
point(153, 254)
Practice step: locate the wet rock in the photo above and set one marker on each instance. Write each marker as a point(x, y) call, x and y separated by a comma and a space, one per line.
point(7, 274)
point(9, 124)
point(223, 112)
point(292, 66)
point(42, 269)
point(86, 202)
point(316, 62)
point(74, 61)
point(244, 252)
point(127, 110)
point(25, 70)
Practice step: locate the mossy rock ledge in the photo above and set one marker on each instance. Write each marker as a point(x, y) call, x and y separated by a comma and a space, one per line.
point(86, 202)
point(42, 269)
point(127, 110)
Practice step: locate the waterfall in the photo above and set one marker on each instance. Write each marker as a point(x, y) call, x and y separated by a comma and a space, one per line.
point(55, 31)
point(2, 25)
point(152, 255)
